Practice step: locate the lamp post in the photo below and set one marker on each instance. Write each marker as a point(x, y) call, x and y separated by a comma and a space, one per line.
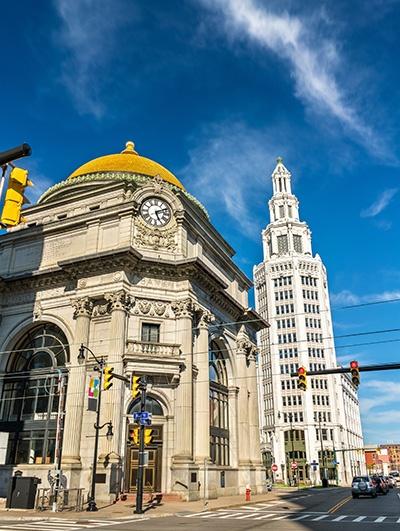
point(101, 363)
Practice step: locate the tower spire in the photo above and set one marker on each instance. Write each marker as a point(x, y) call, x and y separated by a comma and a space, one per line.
point(281, 178)
point(283, 205)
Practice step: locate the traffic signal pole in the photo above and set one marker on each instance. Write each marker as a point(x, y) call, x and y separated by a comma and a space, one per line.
point(364, 368)
point(139, 487)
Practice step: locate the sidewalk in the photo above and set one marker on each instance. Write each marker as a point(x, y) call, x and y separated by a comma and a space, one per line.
point(124, 510)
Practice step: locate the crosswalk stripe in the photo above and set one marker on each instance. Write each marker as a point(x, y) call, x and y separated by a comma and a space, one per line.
point(281, 517)
point(265, 516)
point(214, 513)
point(380, 519)
point(230, 515)
point(245, 516)
point(339, 518)
point(398, 521)
point(320, 517)
point(198, 514)
point(300, 517)
point(361, 518)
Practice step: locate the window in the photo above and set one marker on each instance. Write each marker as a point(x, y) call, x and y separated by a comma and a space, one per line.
point(29, 400)
point(297, 245)
point(151, 332)
point(282, 244)
point(153, 406)
point(219, 418)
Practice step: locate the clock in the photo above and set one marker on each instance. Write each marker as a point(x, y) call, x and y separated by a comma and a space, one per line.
point(155, 212)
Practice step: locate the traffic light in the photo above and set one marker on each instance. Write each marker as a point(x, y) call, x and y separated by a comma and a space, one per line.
point(355, 373)
point(148, 436)
point(134, 436)
point(135, 386)
point(108, 376)
point(302, 378)
point(14, 199)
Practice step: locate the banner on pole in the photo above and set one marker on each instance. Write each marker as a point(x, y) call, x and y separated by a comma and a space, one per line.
point(93, 393)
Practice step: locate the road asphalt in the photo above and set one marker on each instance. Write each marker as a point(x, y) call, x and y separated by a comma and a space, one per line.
point(321, 510)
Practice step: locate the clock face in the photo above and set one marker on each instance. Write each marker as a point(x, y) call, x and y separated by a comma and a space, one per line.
point(155, 212)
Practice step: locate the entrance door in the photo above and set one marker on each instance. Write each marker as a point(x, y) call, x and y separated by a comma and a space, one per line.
point(152, 472)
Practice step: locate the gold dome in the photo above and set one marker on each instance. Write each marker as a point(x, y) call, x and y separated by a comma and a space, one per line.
point(127, 161)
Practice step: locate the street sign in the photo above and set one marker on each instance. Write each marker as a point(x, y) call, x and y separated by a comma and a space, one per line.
point(274, 467)
point(143, 418)
point(294, 465)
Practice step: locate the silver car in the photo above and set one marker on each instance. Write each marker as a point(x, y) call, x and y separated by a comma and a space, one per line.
point(363, 486)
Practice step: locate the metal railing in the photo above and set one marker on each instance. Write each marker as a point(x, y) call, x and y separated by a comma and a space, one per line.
point(67, 500)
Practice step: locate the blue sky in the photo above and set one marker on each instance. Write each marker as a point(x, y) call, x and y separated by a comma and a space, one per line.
point(215, 90)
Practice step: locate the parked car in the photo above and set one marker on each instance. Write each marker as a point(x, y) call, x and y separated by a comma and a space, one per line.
point(363, 486)
point(380, 485)
point(390, 481)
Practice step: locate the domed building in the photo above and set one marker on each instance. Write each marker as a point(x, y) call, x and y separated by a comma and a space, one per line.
point(119, 263)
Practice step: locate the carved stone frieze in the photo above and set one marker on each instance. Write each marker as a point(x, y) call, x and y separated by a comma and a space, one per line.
point(154, 238)
point(119, 300)
point(82, 307)
point(100, 310)
point(151, 307)
point(183, 308)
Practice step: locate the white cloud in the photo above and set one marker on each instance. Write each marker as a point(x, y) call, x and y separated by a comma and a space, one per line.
point(380, 204)
point(87, 34)
point(228, 170)
point(313, 60)
point(348, 298)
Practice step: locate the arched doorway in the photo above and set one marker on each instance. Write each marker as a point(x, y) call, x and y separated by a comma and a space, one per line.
point(154, 447)
point(30, 395)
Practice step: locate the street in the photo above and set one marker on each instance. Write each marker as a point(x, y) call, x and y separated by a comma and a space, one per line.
point(315, 509)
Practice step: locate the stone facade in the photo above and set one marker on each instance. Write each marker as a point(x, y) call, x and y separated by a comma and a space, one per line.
point(85, 268)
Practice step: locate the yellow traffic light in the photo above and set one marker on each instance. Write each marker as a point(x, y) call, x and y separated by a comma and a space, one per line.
point(108, 376)
point(302, 378)
point(148, 436)
point(134, 436)
point(14, 199)
point(135, 386)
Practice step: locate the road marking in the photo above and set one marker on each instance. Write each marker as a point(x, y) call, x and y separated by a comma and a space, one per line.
point(300, 517)
point(265, 516)
point(359, 519)
point(339, 504)
point(281, 517)
point(320, 517)
point(231, 515)
point(339, 518)
point(380, 519)
point(245, 516)
point(213, 513)
point(398, 521)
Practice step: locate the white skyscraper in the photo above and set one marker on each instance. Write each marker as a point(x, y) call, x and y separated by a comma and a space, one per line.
point(322, 424)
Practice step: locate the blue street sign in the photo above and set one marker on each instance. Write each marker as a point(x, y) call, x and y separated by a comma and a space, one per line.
point(143, 418)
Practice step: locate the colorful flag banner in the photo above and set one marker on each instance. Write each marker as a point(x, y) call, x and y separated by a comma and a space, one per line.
point(93, 392)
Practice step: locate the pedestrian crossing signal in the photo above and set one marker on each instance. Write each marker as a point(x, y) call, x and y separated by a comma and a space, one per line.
point(108, 376)
point(302, 378)
point(355, 373)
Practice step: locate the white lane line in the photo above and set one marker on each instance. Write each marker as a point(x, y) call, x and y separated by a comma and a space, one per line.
point(300, 517)
point(265, 516)
point(359, 519)
point(380, 519)
point(245, 516)
point(230, 515)
point(320, 518)
point(339, 518)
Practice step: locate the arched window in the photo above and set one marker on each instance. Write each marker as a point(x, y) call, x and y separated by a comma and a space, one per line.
point(153, 406)
point(219, 420)
point(30, 395)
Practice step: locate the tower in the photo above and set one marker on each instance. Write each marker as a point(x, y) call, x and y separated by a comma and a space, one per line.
point(291, 291)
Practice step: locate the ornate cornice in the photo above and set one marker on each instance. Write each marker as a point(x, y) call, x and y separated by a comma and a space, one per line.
point(82, 307)
point(119, 300)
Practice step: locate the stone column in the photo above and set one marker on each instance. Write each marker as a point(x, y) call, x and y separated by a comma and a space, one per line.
point(202, 392)
point(243, 403)
point(233, 425)
point(183, 452)
point(255, 450)
point(119, 305)
point(76, 384)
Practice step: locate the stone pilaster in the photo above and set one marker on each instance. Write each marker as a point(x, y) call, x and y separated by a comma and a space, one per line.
point(243, 404)
point(76, 384)
point(255, 450)
point(183, 310)
point(202, 400)
point(119, 303)
point(233, 425)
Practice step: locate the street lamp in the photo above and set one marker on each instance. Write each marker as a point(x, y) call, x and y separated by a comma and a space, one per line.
point(101, 363)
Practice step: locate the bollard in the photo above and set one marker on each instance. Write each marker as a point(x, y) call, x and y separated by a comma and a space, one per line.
point(248, 493)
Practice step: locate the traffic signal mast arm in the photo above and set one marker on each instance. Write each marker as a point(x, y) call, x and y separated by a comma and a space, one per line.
point(365, 368)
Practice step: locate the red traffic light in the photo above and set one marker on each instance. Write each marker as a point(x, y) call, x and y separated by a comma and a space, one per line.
point(301, 370)
point(354, 364)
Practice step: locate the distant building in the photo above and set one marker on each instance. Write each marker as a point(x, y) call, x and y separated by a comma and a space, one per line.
point(377, 460)
point(394, 455)
point(321, 425)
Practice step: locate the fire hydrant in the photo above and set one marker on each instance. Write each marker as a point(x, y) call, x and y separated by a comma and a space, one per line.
point(248, 493)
